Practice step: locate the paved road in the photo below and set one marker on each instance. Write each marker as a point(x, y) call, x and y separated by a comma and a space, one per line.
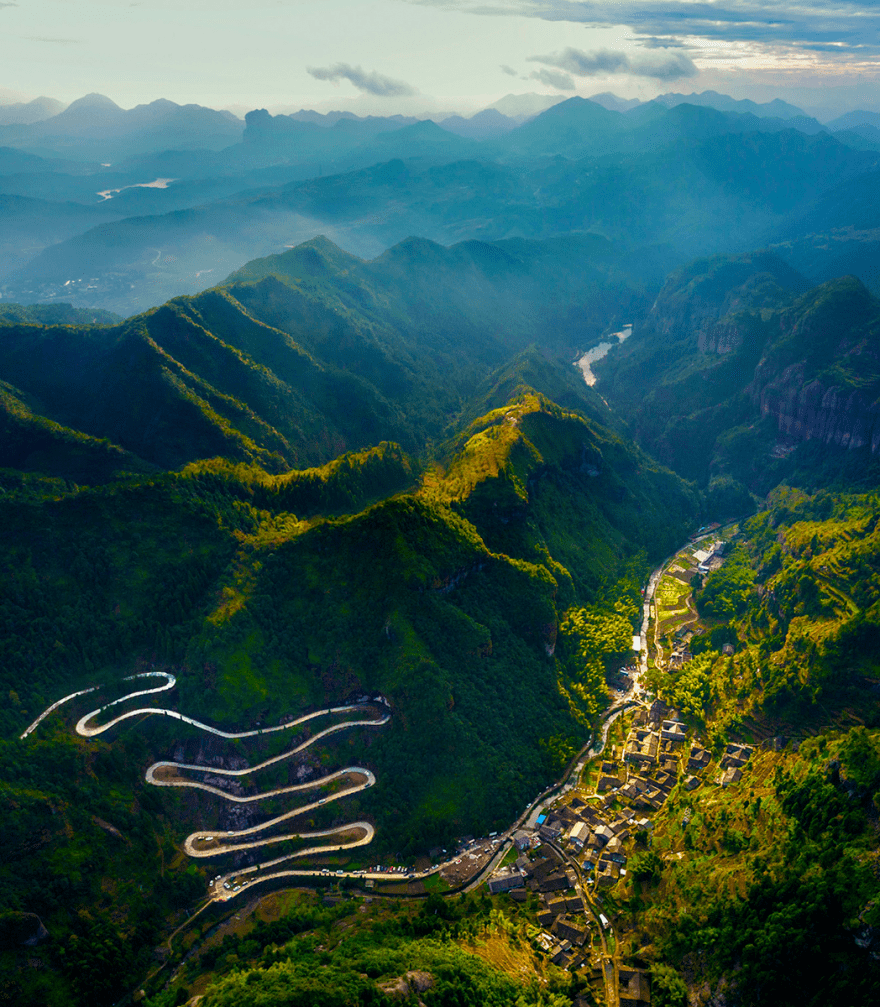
point(54, 706)
point(210, 840)
point(527, 819)
point(248, 798)
point(610, 963)
point(83, 726)
point(207, 844)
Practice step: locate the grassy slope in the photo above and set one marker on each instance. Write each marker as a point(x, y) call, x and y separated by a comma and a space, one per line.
point(768, 892)
point(799, 598)
point(273, 594)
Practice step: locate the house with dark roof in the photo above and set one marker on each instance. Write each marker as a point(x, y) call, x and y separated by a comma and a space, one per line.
point(699, 758)
point(672, 730)
point(607, 873)
point(730, 775)
point(541, 868)
point(634, 987)
point(567, 930)
point(642, 747)
point(657, 711)
point(554, 883)
point(735, 755)
point(548, 833)
point(607, 783)
point(505, 883)
point(522, 840)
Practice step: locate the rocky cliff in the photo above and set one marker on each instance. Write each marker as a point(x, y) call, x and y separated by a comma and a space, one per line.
point(738, 363)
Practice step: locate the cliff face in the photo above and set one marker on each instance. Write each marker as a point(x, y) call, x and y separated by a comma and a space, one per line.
point(738, 363)
point(696, 298)
point(719, 337)
point(806, 410)
point(819, 378)
point(818, 372)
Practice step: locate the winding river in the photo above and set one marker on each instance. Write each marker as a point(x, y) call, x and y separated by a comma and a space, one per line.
point(585, 363)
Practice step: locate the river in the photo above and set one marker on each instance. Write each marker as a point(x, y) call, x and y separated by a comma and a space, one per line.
point(157, 183)
point(597, 352)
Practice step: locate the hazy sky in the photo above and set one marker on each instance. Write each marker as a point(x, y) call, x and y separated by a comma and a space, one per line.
point(413, 55)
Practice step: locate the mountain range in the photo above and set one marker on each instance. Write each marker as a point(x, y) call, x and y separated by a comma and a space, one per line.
point(333, 450)
point(655, 180)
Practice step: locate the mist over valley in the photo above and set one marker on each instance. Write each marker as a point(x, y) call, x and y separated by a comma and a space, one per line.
point(440, 527)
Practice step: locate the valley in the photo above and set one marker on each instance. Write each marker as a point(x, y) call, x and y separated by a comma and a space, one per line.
point(473, 527)
point(477, 617)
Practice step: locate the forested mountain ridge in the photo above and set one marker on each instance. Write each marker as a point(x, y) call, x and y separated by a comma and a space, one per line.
point(306, 355)
point(441, 581)
point(743, 371)
point(477, 561)
point(689, 181)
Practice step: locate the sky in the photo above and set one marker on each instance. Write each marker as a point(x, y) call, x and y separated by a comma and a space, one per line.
point(415, 56)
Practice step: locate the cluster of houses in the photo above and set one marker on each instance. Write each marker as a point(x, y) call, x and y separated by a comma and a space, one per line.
point(681, 647)
point(622, 681)
point(711, 557)
point(561, 909)
point(561, 914)
point(707, 560)
point(732, 762)
point(596, 832)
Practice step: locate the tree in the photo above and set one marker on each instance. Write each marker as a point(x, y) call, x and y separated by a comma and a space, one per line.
point(668, 989)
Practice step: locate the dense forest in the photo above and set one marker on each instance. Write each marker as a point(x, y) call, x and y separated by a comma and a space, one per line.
point(319, 482)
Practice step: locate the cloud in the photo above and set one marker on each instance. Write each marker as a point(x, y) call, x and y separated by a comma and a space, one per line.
point(850, 27)
point(372, 83)
point(602, 62)
point(508, 70)
point(652, 42)
point(554, 78)
point(55, 41)
point(8, 4)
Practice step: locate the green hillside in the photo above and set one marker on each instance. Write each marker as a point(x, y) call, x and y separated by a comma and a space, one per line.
point(302, 357)
point(741, 377)
point(798, 598)
point(330, 483)
point(766, 891)
point(459, 594)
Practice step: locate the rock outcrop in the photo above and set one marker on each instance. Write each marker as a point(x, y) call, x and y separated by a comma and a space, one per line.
point(805, 410)
point(409, 985)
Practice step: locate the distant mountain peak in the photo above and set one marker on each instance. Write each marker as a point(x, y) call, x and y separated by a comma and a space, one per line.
point(93, 100)
point(613, 103)
point(724, 103)
point(519, 105)
point(314, 258)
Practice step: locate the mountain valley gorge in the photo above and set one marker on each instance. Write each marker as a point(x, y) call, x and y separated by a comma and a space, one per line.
point(364, 473)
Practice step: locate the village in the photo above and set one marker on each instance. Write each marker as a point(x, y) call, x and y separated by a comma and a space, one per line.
point(573, 861)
